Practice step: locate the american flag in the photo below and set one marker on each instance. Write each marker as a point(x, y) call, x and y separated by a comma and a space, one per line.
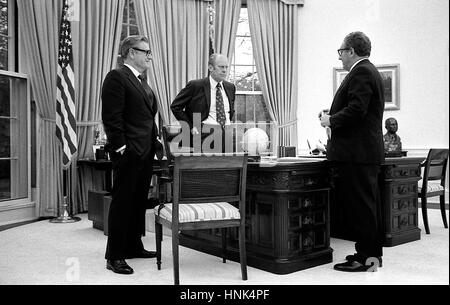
point(65, 93)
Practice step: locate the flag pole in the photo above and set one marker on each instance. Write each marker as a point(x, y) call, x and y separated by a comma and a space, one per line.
point(65, 109)
point(67, 196)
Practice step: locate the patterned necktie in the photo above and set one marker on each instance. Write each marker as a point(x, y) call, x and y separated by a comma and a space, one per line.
point(143, 79)
point(220, 109)
point(144, 84)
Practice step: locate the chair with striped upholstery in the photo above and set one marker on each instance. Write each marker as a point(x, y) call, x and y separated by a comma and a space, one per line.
point(208, 193)
point(433, 183)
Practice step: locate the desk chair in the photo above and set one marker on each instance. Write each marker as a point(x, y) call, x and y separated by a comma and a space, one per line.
point(203, 188)
point(434, 169)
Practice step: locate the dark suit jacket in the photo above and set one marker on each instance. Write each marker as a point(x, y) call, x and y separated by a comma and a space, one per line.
point(356, 117)
point(196, 98)
point(128, 113)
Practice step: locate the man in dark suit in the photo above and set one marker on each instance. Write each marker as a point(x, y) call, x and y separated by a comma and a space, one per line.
point(356, 150)
point(128, 113)
point(207, 103)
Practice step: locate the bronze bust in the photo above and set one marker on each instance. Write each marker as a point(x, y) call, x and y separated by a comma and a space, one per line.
point(392, 141)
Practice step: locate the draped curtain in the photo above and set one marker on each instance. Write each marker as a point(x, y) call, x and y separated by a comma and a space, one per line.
point(178, 34)
point(95, 49)
point(225, 25)
point(274, 33)
point(96, 41)
point(40, 26)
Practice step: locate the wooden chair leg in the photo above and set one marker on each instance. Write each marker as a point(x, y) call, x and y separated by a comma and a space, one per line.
point(425, 214)
point(158, 234)
point(242, 252)
point(444, 215)
point(224, 244)
point(176, 273)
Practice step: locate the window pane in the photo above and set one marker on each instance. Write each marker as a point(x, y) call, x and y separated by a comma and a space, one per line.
point(125, 12)
point(5, 138)
point(5, 108)
point(243, 80)
point(132, 13)
point(243, 25)
point(3, 53)
point(134, 30)
point(244, 51)
point(3, 18)
point(261, 113)
point(239, 108)
point(5, 179)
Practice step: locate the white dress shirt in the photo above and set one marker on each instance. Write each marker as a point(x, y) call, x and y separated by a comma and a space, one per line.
point(212, 118)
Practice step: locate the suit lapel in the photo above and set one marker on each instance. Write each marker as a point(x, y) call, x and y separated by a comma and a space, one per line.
point(137, 84)
point(207, 89)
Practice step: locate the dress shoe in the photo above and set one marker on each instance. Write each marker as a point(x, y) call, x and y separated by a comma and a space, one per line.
point(353, 266)
point(143, 254)
point(354, 257)
point(119, 266)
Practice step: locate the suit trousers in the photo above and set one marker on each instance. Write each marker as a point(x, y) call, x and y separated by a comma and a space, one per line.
point(126, 220)
point(358, 198)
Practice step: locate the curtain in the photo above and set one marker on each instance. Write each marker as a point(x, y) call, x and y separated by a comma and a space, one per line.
point(178, 34)
point(274, 33)
point(39, 21)
point(96, 41)
point(225, 25)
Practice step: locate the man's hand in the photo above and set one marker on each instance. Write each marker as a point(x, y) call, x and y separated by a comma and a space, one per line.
point(325, 120)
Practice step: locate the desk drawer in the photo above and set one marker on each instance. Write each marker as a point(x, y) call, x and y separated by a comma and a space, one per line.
point(298, 179)
point(401, 171)
point(403, 189)
point(403, 221)
point(307, 241)
point(405, 204)
point(308, 200)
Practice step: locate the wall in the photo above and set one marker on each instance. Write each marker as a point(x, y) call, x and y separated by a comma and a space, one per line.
point(411, 33)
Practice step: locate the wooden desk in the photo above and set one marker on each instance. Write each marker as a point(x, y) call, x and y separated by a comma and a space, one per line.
point(287, 223)
point(288, 214)
point(399, 208)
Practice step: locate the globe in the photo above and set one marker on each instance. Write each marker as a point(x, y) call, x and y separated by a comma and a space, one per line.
point(255, 141)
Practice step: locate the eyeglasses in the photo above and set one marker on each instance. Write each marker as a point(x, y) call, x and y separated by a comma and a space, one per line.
point(147, 52)
point(342, 50)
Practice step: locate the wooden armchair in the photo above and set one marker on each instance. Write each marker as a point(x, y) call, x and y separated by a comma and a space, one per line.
point(434, 169)
point(203, 188)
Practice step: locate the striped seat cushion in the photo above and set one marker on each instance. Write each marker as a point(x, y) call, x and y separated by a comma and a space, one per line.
point(200, 212)
point(431, 187)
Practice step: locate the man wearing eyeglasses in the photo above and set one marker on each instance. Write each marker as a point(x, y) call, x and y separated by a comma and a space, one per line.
point(128, 114)
point(356, 150)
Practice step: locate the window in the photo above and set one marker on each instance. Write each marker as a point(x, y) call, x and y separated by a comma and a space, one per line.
point(7, 35)
point(129, 24)
point(14, 136)
point(250, 108)
point(249, 105)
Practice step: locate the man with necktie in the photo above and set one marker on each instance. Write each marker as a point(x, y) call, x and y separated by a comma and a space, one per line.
point(128, 112)
point(210, 99)
point(355, 149)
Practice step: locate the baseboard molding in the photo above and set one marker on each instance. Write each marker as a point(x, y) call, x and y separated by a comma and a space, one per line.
point(17, 213)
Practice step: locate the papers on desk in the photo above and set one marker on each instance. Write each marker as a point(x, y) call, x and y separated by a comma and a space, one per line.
point(272, 161)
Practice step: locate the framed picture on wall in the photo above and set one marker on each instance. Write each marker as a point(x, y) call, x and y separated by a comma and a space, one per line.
point(391, 81)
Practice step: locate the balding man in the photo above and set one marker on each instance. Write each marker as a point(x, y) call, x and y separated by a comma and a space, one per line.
point(211, 98)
